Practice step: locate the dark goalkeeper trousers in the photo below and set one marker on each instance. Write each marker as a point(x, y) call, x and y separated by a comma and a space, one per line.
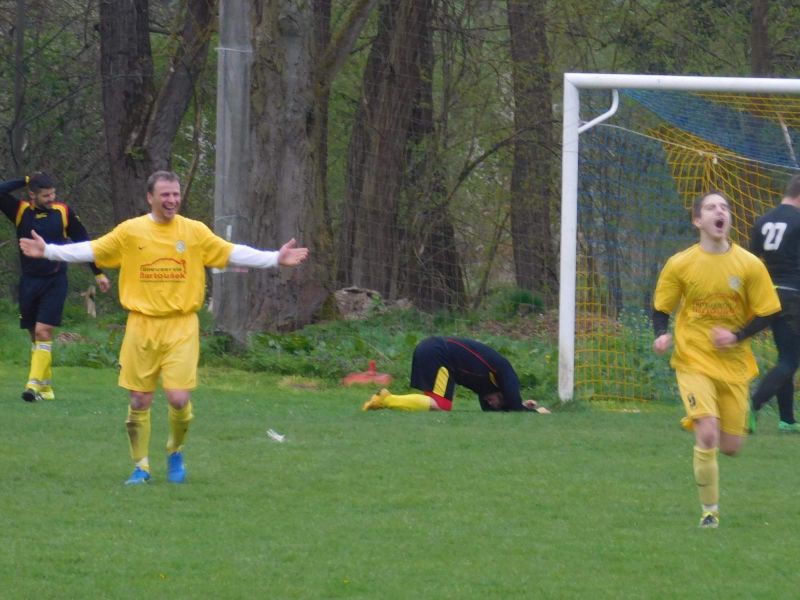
point(779, 381)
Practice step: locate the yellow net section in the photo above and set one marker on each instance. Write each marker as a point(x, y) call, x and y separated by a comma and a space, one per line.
point(698, 166)
point(635, 192)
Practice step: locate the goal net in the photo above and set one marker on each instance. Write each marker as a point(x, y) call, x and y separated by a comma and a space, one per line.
point(628, 184)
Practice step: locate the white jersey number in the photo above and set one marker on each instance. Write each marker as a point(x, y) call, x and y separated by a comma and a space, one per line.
point(773, 234)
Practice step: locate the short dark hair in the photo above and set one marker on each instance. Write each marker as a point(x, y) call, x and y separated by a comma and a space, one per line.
point(160, 176)
point(698, 202)
point(793, 187)
point(483, 399)
point(41, 181)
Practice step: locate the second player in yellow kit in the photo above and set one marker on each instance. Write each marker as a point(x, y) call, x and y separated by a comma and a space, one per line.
point(724, 295)
point(714, 290)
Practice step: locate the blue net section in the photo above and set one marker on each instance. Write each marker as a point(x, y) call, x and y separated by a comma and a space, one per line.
point(630, 218)
point(754, 137)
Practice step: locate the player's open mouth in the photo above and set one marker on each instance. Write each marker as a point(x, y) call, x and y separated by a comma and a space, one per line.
point(719, 223)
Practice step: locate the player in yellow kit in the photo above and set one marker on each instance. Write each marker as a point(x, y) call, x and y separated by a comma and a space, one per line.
point(725, 295)
point(162, 258)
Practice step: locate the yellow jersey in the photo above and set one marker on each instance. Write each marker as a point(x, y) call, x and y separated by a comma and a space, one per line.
point(714, 290)
point(162, 265)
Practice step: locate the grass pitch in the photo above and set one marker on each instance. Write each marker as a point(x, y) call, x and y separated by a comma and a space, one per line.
point(584, 503)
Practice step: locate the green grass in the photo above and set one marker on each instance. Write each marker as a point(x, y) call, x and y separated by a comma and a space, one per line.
point(585, 503)
point(329, 350)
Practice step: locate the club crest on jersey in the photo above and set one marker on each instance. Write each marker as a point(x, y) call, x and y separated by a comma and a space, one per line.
point(735, 283)
point(180, 246)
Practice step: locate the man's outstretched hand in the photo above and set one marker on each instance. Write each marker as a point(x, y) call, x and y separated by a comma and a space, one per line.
point(290, 256)
point(33, 247)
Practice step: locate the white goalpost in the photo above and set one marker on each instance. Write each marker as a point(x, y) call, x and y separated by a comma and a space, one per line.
point(573, 127)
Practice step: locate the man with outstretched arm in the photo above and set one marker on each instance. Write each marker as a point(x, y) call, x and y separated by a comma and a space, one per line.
point(43, 283)
point(162, 258)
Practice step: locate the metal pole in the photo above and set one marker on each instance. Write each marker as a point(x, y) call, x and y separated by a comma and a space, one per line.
point(231, 176)
point(569, 237)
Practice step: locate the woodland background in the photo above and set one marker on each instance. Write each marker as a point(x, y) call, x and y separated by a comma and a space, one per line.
point(413, 145)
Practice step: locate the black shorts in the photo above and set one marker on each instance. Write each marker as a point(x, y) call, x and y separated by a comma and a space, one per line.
point(429, 372)
point(41, 300)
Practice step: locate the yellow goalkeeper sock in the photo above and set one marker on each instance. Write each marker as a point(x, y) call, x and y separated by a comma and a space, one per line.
point(41, 360)
point(178, 426)
point(405, 401)
point(138, 426)
point(706, 475)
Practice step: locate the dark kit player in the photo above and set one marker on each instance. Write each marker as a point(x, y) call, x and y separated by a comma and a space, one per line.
point(43, 283)
point(440, 363)
point(776, 239)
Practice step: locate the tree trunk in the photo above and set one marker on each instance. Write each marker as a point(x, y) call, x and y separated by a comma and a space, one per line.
point(141, 121)
point(532, 193)
point(759, 40)
point(370, 240)
point(294, 60)
point(17, 129)
point(430, 272)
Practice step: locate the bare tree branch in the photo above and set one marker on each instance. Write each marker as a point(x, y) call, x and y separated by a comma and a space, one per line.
point(343, 42)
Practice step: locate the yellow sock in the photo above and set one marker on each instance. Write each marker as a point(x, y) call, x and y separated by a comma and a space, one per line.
point(41, 361)
point(47, 382)
point(706, 475)
point(405, 401)
point(178, 426)
point(138, 425)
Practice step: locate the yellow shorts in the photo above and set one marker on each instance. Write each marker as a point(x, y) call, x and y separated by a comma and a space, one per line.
point(166, 346)
point(704, 396)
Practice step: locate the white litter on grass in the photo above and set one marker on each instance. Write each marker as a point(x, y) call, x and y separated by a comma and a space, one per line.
point(272, 434)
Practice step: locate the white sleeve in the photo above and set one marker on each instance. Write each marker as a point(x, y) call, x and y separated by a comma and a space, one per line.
point(245, 256)
point(77, 252)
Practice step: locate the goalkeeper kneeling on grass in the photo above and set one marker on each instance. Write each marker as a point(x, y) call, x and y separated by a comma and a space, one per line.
point(440, 363)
